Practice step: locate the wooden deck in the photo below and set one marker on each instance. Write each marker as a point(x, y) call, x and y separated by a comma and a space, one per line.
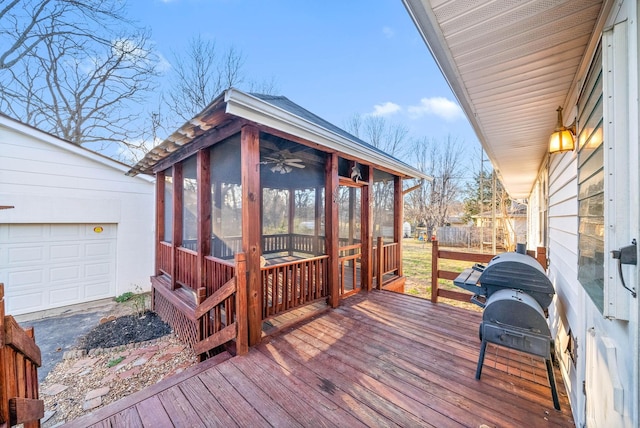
point(380, 359)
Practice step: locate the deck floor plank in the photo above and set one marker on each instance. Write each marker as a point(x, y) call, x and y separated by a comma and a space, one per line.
point(205, 404)
point(262, 402)
point(430, 392)
point(179, 408)
point(152, 413)
point(433, 378)
point(307, 393)
point(358, 384)
point(381, 359)
point(231, 400)
point(341, 399)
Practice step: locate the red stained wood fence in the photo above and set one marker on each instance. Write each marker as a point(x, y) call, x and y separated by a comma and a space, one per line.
point(19, 361)
point(436, 273)
point(290, 285)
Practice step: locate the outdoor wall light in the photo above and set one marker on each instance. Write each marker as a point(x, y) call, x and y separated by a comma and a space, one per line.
point(562, 139)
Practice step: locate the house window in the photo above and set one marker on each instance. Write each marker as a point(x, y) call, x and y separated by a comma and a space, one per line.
point(168, 206)
point(591, 185)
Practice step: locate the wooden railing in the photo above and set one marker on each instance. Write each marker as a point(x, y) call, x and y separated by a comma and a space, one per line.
point(208, 322)
point(275, 243)
point(19, 361)
point(437, 254)
point(289, 285)
point(386, 260)
point(164, 257)
point(216, 273)
point(186, 268)
point(349, 263)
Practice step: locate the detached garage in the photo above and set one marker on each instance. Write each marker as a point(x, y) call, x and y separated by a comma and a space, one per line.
point(73, 227)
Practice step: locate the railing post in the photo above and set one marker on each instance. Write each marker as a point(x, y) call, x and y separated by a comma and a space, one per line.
point(4, 398)
point(242, 335)
point(541, 256)
point(380, 249)
point(434, 271)
point(202, 324)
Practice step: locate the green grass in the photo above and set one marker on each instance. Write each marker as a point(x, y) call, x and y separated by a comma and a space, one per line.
point(416, 263)
point(115, 362)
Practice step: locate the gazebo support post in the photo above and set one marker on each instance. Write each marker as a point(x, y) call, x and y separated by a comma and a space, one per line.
point(331, 227)
point(251, 202)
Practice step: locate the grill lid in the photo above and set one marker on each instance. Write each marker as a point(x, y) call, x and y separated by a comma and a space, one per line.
point(518, 271)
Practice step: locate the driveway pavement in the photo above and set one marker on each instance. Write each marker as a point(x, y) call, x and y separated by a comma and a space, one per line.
point(59, 332)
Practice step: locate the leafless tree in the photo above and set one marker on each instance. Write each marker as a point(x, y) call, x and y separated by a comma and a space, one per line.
point(83, 92)
point(389, 137)
point(430, 204)
point(26, 24)
point(199, 74)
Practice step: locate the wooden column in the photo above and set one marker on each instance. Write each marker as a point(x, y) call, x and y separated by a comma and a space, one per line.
point(398, 215)
point(380, 267)
point(251, 201)
point(242, 346)
point(292, 213)
point(217, 220)
point(366, 262)
point(204, 212)
point(331, 226)
point(177, 220)
point(160, 183)
point(316, 222)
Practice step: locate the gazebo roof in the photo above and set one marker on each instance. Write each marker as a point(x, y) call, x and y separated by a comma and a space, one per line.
point(277, 112)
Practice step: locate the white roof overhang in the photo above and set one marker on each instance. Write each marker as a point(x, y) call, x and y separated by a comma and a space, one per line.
point(254, 109)
point(511, 64)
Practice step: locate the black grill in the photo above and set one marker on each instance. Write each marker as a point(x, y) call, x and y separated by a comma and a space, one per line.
point(515, 293)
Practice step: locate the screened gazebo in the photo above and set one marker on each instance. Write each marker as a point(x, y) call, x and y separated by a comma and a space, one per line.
point(262, 208)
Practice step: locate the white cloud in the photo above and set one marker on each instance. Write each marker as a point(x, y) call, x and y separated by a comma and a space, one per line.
point(388, 32)
point(385, 109)
point(438, 106)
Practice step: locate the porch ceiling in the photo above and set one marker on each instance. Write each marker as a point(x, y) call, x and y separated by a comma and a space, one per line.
point(511, 64)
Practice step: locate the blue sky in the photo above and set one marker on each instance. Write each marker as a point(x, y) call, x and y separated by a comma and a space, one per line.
point(334, 57)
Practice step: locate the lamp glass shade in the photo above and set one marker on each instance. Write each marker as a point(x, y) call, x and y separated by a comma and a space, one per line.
point(561, 141)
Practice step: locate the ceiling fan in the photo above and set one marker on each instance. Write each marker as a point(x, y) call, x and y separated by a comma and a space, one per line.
point(281, 162)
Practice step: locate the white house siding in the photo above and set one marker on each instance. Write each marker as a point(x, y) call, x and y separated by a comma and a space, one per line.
point(603, 384)
point(52, 182)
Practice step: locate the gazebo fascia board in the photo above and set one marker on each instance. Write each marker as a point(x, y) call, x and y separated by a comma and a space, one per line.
point(252, 108)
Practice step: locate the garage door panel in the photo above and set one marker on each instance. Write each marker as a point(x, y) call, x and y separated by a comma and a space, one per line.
point(65, 273)
point(96, 249)
point(97, 291)
point(93, 270)
point(21, 278)
point(45, 266)
point(65, 295)
point(19, 233)
point(67, 251)
point(29, 302)
point(29, 254)
point(66, 231)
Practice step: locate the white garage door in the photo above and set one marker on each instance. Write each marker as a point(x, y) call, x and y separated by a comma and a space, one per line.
point(46, 266)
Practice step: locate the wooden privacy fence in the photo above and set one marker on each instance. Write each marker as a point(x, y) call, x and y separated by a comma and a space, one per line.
point(19, 361)
point(436, 254)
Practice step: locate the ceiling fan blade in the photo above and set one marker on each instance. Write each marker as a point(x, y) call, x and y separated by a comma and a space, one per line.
point(296, 165)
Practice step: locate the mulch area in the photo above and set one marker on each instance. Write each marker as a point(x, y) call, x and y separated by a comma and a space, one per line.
point(120, 356)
